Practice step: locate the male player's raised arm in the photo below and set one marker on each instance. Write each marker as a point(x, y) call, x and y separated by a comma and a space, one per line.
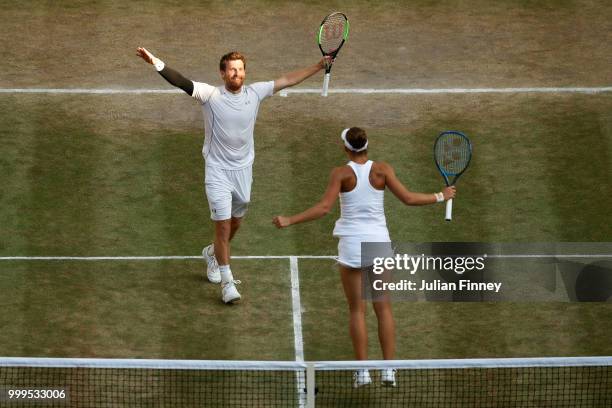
point(295, 77)
point(172, 76)
point(175, 78)
point(410, 197)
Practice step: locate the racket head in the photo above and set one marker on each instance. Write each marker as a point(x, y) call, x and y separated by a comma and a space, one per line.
point(452, 153)
point(332, 34)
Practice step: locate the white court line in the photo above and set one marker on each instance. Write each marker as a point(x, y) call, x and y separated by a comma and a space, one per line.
point(103, 91)
point(286, 92)
point(553, 256)
point(297, 309)
point(152, 258)
point(156, 258)
point(418, 91)
point(298, 341)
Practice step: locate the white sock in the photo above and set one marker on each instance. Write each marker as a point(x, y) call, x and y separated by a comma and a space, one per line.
point(226, 274)
point(211, 249)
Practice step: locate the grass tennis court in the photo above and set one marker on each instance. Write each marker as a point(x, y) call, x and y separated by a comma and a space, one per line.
point(121, 175)
point(163, 309)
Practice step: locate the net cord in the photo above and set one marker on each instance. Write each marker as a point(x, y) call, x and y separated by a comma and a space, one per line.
point(301, 366)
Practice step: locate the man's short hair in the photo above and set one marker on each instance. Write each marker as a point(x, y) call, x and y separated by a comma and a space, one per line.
point(231, 56)
point(356, 137)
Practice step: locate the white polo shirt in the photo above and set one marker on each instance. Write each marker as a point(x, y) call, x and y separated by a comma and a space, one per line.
point(229, 122)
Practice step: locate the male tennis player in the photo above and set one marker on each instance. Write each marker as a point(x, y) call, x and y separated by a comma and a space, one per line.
point(360, 185)
point(229, 119)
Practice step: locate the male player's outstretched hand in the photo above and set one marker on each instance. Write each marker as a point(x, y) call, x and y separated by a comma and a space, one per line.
point(326, 61)
point(281, 222)
point(145, 55)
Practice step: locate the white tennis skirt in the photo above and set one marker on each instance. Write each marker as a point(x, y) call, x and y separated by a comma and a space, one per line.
point(349, 250)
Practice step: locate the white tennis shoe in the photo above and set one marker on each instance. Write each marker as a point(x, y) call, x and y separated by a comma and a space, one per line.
point(387, 378)
point(229, 292)
point(361, 378)
point(212, 267)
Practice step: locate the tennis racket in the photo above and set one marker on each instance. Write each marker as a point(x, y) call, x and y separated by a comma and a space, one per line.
point(452, 153)
point(332, 34)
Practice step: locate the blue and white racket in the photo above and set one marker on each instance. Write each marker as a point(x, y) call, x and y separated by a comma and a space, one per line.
point(452, 153)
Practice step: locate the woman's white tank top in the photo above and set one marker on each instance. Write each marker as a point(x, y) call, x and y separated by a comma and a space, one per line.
point(362, 210)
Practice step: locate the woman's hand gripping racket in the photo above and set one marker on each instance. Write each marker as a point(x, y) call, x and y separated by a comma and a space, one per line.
point(331, 37)
point(452, 153)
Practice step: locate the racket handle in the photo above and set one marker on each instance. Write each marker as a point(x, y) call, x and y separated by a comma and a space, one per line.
point(449, 210)
point(325, 84)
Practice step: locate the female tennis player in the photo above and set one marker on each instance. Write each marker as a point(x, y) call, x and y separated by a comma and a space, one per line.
point(360, 185)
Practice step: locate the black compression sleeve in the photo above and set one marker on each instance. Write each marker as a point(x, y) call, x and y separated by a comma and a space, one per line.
point(176, 79)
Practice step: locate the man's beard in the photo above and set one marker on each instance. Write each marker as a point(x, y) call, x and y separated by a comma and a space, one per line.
point(234, 84)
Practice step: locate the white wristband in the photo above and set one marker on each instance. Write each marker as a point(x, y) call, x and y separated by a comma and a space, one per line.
point(439, 197)
point(159, 64)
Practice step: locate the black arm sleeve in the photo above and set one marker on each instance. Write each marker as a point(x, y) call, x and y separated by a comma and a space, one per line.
point(176, 79)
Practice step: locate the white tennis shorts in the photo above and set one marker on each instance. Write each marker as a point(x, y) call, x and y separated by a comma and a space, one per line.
point(349, 251)
point(228, 192)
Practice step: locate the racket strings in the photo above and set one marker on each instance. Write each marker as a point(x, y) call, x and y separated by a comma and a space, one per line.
point(453, 154)
point(332, 32)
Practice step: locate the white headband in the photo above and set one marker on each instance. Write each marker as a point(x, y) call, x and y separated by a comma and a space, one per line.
point(348, 145)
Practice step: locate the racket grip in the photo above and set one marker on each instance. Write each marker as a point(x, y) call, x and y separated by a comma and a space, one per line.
point(449, 210)
point(325, 84)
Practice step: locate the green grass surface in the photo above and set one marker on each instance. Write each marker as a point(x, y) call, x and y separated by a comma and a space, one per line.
point(109, 175)
point(89, 175)
point(83, 178)
point(122, 175)
point(144, 310)
point(452, 330)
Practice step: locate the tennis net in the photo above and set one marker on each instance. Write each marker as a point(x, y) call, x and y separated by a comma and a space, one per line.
point(531, 382)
